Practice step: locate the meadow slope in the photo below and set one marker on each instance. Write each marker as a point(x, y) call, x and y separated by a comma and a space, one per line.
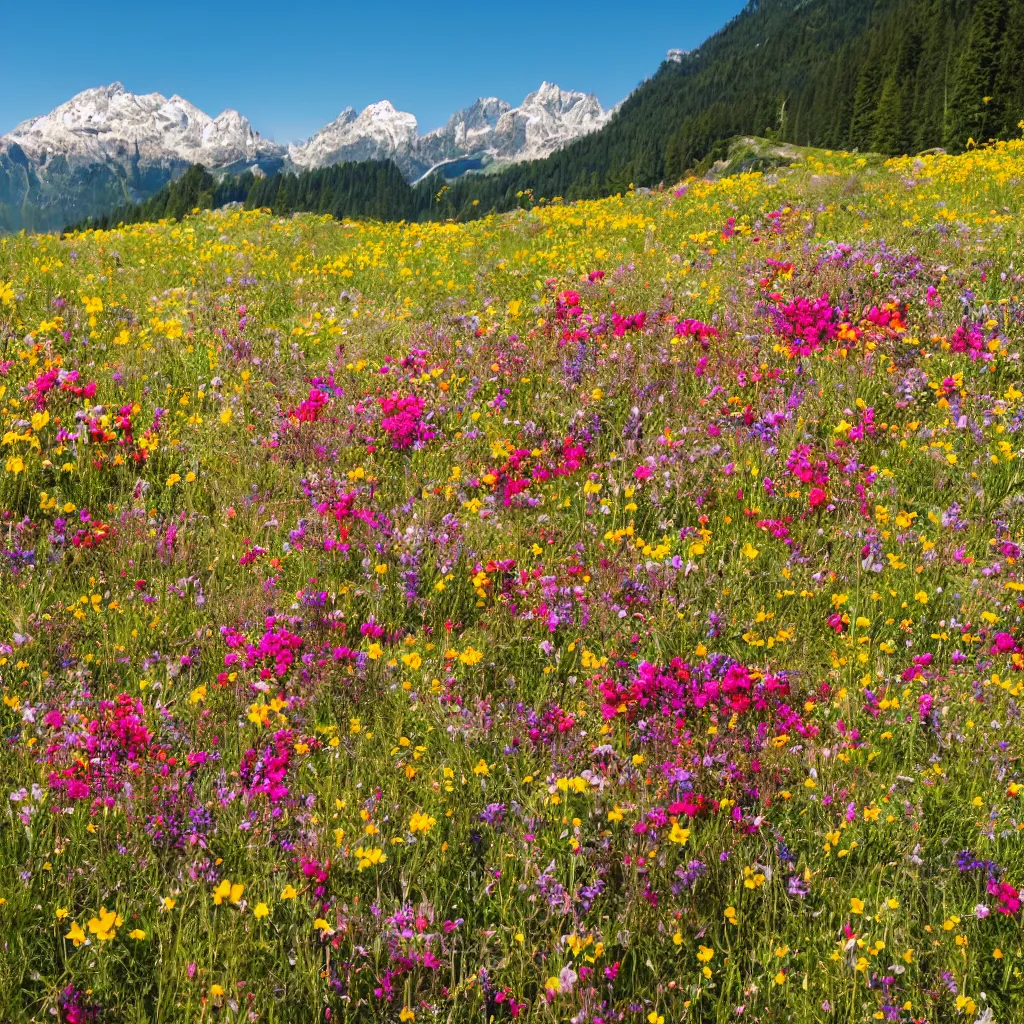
point(601, 612)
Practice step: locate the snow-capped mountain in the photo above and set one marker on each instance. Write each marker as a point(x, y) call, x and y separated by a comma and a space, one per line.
point(492, 130)
point(468, 131)
point(547, 120)
point(106, 146)
point(375, 133)
point(111, 124)
point(489, 130)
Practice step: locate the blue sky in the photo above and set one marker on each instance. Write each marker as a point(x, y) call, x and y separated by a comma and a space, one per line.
point(291, 67)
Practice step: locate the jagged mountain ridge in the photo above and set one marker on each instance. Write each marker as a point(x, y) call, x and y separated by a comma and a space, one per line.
point(110, 123)
point(106, 145)
point(488, 130)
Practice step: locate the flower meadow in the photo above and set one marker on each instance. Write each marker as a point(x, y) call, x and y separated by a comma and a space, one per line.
point(602, 613)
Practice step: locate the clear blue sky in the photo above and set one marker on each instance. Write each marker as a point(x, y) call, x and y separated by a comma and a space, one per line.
point(291, 67)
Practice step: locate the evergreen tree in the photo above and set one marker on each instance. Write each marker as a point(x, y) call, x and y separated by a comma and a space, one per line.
point(970, 115)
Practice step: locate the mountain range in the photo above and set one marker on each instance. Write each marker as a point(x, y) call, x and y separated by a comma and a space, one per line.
point(106, 146)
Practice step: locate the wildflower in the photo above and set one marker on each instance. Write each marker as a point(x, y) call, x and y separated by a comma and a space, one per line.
point(470, 656)
point(421, 822)
point(289, 892)
point(753, 879)
point(368, 857)
point(104, 926)
point(228, 891)
point(679, 835)
point(260, 911)
point(75, 934)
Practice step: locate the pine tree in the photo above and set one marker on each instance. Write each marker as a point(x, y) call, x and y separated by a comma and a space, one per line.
point(970, 114)
point(888, 118)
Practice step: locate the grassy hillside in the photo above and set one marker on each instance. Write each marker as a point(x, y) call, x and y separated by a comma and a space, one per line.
point(600, 612)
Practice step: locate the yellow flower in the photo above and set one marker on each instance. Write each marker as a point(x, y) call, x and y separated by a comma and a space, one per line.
point(15, 464)
point(374, 652)
point(289, 892)
point(704, 954)
point(752, 879)
point(169, 903)
point(421, 822)
point(856, 905)
point(75, 934)
point(61, 913)
point(226, 891)
point(749, 551)
point(225, 416)
point(104, 925)
point(406, 1015)
point(731, 916)
point(966, 1004)
point(369, 857)
point(381, 569)
point(173, 479)
point(470, 656)
point(260, 910)
point(216, 991)
point(679, 835)
point(137, 933)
